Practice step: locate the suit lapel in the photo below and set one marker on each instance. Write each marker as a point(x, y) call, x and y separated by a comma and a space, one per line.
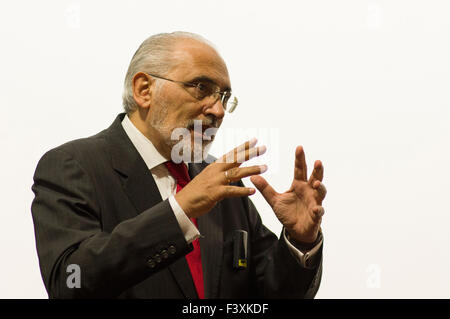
point(142, 191)
point(138, 182)
point(211, 244)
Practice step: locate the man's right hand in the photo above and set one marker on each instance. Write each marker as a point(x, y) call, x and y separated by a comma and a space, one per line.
point(212, 185)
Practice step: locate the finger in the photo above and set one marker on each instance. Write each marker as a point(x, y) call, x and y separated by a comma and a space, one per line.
point(246, 155)
point(321, 191)
point(265, 189)
point(318, 211)
point(237, 191)
point(231, 160)
point(239, 155)
point(236, 173)
point(251, 153)
point(317, 174)
point(300, 164)
point(232, 155)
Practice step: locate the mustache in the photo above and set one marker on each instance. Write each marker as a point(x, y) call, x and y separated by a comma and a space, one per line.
point(210, 121)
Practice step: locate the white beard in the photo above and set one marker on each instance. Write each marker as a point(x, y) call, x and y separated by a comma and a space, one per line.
point(190, 148)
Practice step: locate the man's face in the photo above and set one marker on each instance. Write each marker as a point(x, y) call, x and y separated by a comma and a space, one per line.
point(174, 107)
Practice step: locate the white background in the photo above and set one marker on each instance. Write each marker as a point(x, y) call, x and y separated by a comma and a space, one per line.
point(362, 85)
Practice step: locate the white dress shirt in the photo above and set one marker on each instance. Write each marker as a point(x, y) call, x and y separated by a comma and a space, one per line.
point(167, 187)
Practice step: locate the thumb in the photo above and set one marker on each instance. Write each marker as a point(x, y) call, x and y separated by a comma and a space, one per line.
point(264, 188)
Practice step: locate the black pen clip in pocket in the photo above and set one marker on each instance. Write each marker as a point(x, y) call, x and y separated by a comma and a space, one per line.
point(240, 249)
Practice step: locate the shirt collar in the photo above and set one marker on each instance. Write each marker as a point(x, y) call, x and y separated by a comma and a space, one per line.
point(144, 146)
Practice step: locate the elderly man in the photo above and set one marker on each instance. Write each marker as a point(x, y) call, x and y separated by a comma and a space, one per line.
point(119, 215)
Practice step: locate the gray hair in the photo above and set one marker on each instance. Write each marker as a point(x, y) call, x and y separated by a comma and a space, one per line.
point(154, 55)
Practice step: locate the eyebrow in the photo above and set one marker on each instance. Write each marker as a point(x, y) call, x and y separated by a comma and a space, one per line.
point(204, 78)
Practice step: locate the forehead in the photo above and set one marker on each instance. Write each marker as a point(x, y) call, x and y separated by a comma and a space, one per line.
point(194, 59)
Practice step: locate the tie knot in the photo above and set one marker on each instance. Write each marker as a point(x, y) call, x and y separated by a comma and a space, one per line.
point(179, 172)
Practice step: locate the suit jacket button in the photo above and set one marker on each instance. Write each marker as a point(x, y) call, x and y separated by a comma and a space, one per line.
point(172, 250)
point(157, 257)
point(151, 263)
point(164, 254)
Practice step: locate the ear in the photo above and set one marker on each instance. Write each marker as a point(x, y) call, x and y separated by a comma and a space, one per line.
point(142, 89)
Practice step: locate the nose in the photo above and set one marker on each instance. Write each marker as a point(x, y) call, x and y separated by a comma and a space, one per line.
point(216, 109)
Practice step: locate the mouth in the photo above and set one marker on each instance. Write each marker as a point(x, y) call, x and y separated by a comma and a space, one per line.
point(203, 134)
point(204, 128)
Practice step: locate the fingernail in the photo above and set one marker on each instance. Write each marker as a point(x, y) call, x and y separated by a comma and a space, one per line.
point(262, 149)
point(262, 168)
point(251, 191)
point(253, 141)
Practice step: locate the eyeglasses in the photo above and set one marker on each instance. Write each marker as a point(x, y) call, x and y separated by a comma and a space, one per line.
point(206, 90)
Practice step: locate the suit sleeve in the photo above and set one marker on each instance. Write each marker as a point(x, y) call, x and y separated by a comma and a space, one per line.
point(277, 272)
point(68, 231)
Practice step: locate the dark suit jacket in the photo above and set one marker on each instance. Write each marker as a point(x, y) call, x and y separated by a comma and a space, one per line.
point(97, 205)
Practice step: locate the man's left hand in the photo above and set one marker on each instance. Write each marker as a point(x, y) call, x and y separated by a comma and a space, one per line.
point(299, 209)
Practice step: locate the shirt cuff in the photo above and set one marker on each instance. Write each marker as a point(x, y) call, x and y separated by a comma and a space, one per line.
point(188, 228)
point(307, 259)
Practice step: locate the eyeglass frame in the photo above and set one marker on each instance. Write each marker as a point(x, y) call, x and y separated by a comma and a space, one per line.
point(221, 93)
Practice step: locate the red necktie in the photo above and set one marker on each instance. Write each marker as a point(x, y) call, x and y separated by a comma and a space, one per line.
point(194, 260)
